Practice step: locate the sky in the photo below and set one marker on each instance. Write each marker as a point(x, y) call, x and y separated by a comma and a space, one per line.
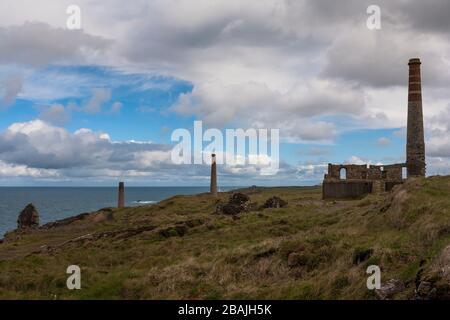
point(93, 106)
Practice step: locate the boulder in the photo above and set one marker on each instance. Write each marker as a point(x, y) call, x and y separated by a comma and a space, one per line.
point(425, 291)
point(238, 199)
point(275, 202)
point(433, 282)
point(237, 203)
point(389, 289)
point(28, 218)
point(230, 209)
point(250, 206)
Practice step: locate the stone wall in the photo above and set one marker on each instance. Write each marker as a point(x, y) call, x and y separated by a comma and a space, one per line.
point(390, 184)
point(360, 179)
point(365, 172)
point(345, 189)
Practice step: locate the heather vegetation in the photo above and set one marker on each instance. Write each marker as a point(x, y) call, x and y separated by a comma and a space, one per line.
point(181, 248)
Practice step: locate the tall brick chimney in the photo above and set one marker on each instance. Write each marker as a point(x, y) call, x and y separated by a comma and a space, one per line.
point(415, 144)
point(121, 198)
point(213, 187)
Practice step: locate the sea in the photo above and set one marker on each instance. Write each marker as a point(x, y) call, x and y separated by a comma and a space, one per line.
point(54, 203)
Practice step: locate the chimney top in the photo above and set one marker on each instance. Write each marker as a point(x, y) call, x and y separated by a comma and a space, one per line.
point(414, 61)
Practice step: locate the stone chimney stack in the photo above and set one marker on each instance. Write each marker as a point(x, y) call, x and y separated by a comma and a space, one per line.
point(213, 187)
point(415, 144)
point(121, 198)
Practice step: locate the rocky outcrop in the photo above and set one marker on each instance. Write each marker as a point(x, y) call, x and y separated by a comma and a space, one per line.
point(433, 283)
point(237, 203)
point(104, 214)
point(28, 218)
point(180, 228)
point(275, 202)
point(90, 237)
point(389, 289)
point(228, 209)
point(64, 222)
point(240, 202)
point(238, 199)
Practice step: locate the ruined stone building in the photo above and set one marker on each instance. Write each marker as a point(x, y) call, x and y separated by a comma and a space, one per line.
point(351, 180)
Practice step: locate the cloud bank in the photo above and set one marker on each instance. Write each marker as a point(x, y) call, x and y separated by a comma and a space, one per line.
point(308, 67)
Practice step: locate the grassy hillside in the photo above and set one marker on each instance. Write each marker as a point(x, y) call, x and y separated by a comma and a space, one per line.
point(180, 249)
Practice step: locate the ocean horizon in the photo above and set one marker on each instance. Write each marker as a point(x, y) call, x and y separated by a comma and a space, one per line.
point(55, 203)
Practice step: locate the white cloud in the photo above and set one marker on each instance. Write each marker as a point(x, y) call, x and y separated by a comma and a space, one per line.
point(10, 87)
point(356, 160)
point(256, 105)
point(13, 170)
point(37, 149)
point(38, 44)
point(438, 166)
point(311, 171)
point(99, 97)
point(55, 114)
point(293, 65)
point(439, 144)
point(316, 51)
point(39, 144)
point(383, 141)
point(379, 59)
point(116, 107)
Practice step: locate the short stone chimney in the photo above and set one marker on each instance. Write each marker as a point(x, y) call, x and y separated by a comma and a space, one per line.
point(121, 198)
point(213, 187)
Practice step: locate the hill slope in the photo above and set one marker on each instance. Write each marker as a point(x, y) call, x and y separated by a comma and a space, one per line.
point(180, 249)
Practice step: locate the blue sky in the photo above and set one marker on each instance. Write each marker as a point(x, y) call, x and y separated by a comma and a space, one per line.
point(146, 115)
point(92, 106)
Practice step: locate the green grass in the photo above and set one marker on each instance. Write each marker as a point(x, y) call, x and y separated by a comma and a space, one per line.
point(303, 251)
